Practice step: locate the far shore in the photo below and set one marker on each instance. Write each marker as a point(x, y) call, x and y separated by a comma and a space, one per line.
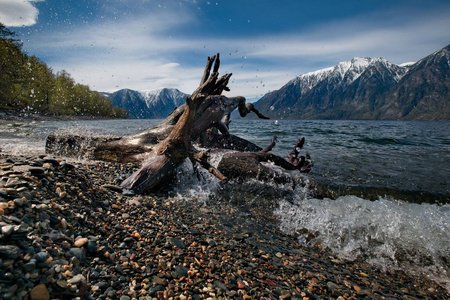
point(21, 116)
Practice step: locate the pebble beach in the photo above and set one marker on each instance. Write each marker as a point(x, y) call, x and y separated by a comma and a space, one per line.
point(68, 231)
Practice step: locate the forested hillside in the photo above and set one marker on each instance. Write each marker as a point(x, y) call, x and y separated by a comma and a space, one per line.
point(28, 84)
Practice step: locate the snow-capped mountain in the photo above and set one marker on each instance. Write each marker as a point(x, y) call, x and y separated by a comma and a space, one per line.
point(164, 97)
point(362, 88)
point(344, 73)
point(154, 104)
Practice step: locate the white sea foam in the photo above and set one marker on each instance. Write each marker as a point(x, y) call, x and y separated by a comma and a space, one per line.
point(388, 234)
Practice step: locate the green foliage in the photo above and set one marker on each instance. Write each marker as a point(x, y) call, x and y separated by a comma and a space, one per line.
point(27, 83)
point(11, 65)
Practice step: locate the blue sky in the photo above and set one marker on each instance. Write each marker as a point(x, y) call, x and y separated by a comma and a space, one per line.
point(146, 45)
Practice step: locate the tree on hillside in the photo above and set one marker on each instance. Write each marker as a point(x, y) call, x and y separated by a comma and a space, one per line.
point(27, 83)
point(11, 66)
point(62, 95)
point(37, 84)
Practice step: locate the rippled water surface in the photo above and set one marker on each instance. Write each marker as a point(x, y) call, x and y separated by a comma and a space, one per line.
point(391, 181)
point(403, 157)
point(379, 157)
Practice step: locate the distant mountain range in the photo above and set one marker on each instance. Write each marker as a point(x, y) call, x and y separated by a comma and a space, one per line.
point(366, 88)
point(362, 88)
point(156, 104)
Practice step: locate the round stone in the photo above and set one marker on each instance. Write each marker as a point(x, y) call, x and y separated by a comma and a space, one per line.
point(39, 292)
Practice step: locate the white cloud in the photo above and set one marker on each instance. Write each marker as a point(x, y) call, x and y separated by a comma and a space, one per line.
point(394, 40)
point(145, 52)
point(15, 13)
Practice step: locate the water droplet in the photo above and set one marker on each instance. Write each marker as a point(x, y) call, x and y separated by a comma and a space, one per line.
point(272, 107)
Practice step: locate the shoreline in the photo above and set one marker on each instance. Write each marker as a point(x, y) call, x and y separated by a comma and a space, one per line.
point(20, 116)
point(68, 231)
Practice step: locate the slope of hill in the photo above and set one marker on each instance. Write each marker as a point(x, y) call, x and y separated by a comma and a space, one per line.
point(366, 88)
point(148, 105)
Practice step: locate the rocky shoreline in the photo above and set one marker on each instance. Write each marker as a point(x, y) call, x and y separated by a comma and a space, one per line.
point(23, 116)
point(68, 231)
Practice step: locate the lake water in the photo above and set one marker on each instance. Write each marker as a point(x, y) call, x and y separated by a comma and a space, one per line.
point(391, 181)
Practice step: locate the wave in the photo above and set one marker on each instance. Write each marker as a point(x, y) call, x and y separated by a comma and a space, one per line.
point(388, 141)
point(388, 234)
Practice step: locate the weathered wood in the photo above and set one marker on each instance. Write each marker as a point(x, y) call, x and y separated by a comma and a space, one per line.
point(177, 146)
point(243, 165)
point(204, 119)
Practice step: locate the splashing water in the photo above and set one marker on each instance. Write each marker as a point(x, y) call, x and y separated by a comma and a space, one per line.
point(388, 234)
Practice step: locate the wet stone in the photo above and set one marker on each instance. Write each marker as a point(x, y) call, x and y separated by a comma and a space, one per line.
point(40, 292)
point(9, 251)
point(7, 229)
point(81, 242)
point(28, 267)
point(177, 242)
point(51, 160)
point(219, 284)
point(79, 253)
point(76, 279)
point(181, 271)
point(62, 284)
point(37, 171)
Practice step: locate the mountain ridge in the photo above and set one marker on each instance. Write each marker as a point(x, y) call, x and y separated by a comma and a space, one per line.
point(153, 104)
point(361, 88)
point(366, 88)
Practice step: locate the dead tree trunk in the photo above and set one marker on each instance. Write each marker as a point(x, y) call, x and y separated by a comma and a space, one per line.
point(177, 146)
point(164, 147)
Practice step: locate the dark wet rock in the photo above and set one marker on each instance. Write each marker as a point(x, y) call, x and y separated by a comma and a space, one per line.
point(9, 251)
point(181, 271)
point(177, 242)
point(51, 161)
point(41, 256)
point(37, 171)
point(219, 284)
point(79, 253)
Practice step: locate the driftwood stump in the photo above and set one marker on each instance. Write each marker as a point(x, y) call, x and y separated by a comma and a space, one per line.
point(204, 119)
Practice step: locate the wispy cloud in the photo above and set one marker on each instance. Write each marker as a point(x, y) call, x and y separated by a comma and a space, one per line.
point(150, 50)
point(14, 13)
point(397, 41)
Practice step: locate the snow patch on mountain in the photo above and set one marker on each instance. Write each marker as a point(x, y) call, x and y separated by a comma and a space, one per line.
point(407, 64)
point(165, 97)
point(344, 73)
